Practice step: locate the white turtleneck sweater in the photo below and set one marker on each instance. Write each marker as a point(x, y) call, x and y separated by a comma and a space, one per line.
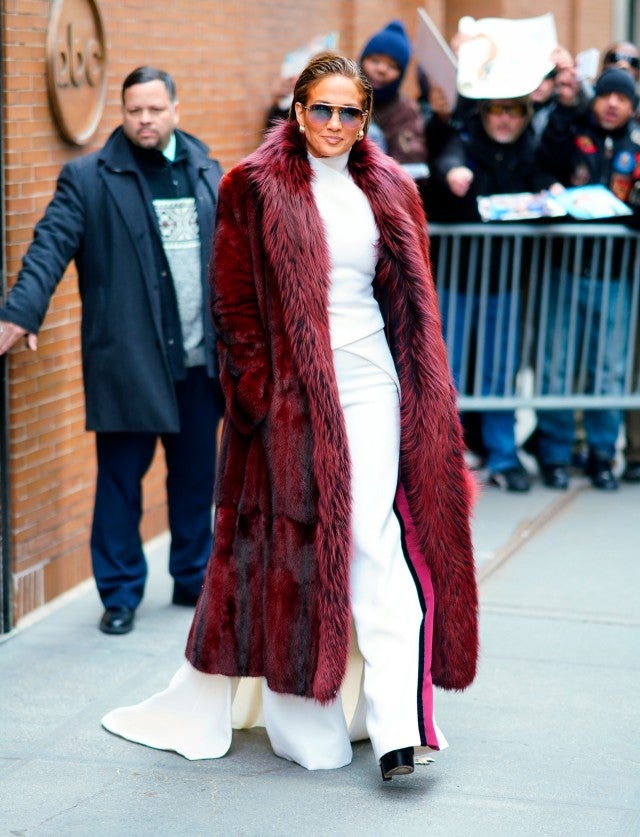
point(352, 237)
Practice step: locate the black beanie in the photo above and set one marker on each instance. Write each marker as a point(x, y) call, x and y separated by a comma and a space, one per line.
point(616, 80)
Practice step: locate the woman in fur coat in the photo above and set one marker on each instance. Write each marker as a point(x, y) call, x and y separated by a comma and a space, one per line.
point(342, 497)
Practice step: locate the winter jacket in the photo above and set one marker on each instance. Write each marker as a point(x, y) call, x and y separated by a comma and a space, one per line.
point(101, 215)
point(580, 152)
point(498, 168)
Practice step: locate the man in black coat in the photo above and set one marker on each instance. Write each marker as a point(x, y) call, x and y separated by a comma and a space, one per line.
point(137, 217)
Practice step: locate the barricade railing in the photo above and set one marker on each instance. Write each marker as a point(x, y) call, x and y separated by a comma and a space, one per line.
point(540, 315)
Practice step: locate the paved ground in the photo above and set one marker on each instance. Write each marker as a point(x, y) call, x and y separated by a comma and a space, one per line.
point(546, 742)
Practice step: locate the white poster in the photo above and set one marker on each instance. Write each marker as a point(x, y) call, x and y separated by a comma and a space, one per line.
point(499, 58)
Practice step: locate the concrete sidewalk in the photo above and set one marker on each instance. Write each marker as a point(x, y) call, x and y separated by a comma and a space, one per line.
point(546, 742)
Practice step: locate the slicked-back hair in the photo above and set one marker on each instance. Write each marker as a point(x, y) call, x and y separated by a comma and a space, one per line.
point(331, 64)
point(143, 75)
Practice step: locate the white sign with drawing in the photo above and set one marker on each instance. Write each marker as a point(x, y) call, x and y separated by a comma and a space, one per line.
point(500, 58)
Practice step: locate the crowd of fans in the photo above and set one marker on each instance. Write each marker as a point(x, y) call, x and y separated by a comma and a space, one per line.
point(568, 132)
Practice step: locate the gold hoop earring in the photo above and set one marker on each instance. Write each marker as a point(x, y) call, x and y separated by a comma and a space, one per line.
point(360, 134)
point(301, 128)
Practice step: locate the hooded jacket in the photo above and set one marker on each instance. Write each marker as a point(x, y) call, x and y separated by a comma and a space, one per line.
point(275, 602)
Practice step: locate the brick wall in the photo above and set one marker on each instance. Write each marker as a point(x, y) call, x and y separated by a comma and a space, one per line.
point(225, 58)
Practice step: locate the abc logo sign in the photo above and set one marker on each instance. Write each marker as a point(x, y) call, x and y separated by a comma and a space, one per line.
point(76, 68)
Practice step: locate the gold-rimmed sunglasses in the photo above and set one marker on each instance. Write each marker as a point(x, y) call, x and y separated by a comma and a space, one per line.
point(320, 114)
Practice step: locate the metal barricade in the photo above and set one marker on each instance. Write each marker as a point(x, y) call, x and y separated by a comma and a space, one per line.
point(543, 316)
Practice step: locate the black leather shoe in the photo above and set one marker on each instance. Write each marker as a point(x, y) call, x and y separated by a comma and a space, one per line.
point(532, 444)
point(117, 620)
point(555, 476)
point(632, 472)
point(511, 479)
point(396, 763)
point(602, 477)
point(182, 596)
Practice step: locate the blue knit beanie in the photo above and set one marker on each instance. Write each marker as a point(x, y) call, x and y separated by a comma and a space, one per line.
point(392, 41)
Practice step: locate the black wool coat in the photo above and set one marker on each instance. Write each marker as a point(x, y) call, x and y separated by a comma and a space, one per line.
point(101, 216)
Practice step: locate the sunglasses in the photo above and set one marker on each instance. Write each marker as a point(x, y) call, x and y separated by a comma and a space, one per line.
point(614, 57)
point(320, 114)
point(514, 111)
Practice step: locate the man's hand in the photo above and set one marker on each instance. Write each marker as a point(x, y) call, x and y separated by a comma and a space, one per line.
point(567, 86)
point(11, 333)
point(459, 179)
point(562, 58)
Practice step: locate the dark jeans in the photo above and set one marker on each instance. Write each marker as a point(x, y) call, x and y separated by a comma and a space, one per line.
point(586, 320)
point(632, 417)
point(119, 565)
point(497, 426)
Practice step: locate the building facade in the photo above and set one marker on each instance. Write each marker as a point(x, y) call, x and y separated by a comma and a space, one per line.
point(225, 57)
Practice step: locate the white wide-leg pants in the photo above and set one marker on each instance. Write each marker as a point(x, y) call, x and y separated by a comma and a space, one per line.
point(193, 716)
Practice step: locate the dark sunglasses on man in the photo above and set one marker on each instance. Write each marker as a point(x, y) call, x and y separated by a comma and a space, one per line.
point(613, 57)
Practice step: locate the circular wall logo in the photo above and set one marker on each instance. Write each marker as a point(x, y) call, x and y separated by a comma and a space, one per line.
point(76, 68)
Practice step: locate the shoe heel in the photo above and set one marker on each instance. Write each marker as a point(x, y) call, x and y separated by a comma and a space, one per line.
point(396, 763)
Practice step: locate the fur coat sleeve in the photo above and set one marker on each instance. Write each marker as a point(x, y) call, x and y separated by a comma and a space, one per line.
point(245, 373)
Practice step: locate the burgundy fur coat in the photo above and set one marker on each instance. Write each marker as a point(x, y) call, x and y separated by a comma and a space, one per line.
point(276, 597)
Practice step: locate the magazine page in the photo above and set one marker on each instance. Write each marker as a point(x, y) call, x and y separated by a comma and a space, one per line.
point(519, 206)
point(586, 203)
